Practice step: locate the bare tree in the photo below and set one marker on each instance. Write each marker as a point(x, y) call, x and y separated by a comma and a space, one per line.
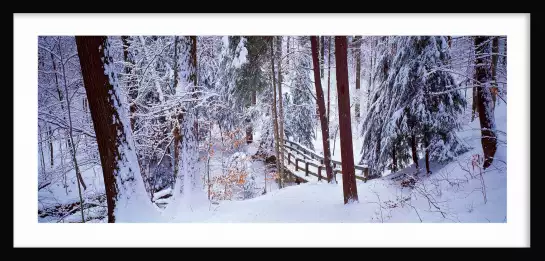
point(71, 136)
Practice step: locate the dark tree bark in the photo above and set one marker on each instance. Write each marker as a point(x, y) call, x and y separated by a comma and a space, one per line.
point(428, 171)
point(413, 150)
point(485, 105)
point(104, 101)
point(321, 108)
point(343, 97)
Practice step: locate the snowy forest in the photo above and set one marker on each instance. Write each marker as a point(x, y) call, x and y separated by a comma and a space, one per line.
point(272, 129)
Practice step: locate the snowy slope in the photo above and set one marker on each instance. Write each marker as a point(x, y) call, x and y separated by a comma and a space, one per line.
point(450, 194)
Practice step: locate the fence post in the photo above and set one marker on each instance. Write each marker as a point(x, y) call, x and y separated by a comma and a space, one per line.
point(296, 164)
point(365, 174)
point(319, 173)
point(289, 162)
point(306, 168)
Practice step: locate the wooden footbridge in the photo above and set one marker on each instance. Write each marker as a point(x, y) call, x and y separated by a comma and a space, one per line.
point(309, 166)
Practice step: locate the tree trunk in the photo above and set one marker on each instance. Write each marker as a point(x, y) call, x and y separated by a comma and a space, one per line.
point(59, 92)
point(486, 109)
point(394, 162)
point(280, 103)
point(176, 80)
point(321, 108)
point(51, 145)
point(322, 57)
point(194, 77)
point(494, 68)
point(427, 154)
point(370, 84)
point(474, 107)
point(288, 51)
point(343, 96)
point(42, 151)
point(114, 139)
point(328, 79)
point(357, 53)
point(505, 52)
point(249, 129)
point(177, 140)
point(275, 118)
point(178, 117)
point(428, 171)
point(208, 160)
point(413, 150)
point(71, 137)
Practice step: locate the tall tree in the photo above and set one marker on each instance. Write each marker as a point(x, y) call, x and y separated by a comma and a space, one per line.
point(328, 78)
point(280, 103)
point(193, 77)
point(122, 178)
point(484, 100)
point(321, 107)
point(275, 119)
point(71, 136)
point(347, 155)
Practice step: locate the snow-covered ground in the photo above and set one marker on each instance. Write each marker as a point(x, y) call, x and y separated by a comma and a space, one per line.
point(450, 194)
point(454, 192)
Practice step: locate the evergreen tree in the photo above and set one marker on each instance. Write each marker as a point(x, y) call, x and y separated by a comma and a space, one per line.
point(301, 110)
point(414, 99)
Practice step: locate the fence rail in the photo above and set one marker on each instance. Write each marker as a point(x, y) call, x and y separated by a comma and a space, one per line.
point(310, 158)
